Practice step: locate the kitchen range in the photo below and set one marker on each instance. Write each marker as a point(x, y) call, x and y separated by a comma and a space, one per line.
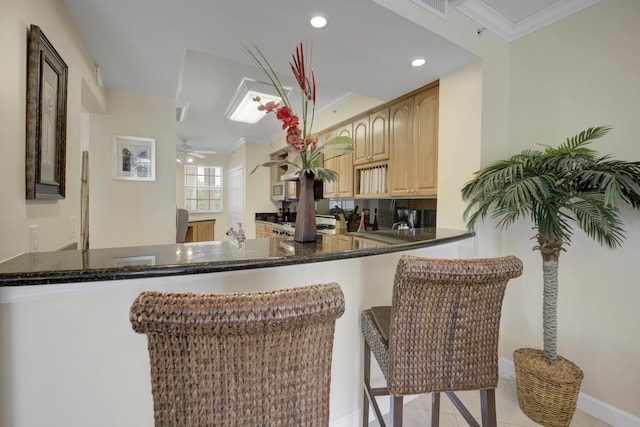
point(268, 224)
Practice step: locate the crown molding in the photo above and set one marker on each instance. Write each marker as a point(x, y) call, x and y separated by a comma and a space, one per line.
point(479, 11)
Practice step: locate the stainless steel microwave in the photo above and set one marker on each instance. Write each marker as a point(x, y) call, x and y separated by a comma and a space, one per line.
point(285, 190)
point(290, 190)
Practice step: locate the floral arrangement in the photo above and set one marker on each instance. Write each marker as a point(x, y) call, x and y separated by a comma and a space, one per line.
point(300, 138)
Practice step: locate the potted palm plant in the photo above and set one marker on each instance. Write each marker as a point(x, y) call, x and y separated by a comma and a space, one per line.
point(555, 188)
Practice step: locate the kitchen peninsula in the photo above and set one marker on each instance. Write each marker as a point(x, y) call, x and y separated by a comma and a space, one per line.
point(209, 257)
point(69, 313)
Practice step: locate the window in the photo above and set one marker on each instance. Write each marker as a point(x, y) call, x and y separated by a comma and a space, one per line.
point(203, 188)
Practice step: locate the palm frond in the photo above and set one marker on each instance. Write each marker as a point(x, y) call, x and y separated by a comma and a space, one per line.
point(597, 220)
point(556, 188)
point(620, 180)
point(552, 219)
point(576, 145)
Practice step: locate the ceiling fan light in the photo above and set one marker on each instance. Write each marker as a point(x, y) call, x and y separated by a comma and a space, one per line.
point(189, 159)
point(243, 108)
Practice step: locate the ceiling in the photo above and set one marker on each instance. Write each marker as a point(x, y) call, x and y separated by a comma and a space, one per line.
point(192, 51)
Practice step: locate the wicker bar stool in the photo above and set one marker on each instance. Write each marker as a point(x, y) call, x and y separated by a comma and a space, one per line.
point(439, 335)
point(244, 359)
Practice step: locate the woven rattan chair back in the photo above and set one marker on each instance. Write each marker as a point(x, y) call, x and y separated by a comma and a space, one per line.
point(441, 331)
point(245, 359)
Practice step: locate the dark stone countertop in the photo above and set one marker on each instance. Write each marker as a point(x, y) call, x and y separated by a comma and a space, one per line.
point(41, 268)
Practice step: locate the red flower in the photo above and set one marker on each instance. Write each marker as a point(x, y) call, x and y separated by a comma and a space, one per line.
point(300, 138)
point(294, 140)
point(268, 107)
point(288, 119)
point(298, 67)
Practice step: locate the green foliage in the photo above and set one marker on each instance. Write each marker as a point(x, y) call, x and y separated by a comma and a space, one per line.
point(557, 188)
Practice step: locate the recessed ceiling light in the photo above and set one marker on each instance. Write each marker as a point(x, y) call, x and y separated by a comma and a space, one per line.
point(418, 62)
point(318, 21)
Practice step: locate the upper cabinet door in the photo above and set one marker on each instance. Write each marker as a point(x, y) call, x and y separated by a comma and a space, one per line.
point(425, 122)
point(343, 165)
point(413, 134)
point(371, 138)
point(401, 141)
point(379, 135)
point(361, 141)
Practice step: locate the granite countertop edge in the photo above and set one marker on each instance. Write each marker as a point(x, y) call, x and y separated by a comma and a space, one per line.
point(53, 277)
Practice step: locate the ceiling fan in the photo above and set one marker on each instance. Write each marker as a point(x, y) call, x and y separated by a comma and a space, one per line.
point(186, 153)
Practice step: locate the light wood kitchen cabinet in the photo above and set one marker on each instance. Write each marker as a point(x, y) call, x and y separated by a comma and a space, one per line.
point(343, 165)
point(336, 242)
point(292, 191)
point(413, 140)
point(371, 154)
point(263, 230)
point(371, 138)
point(201, 231)
point(278, 170)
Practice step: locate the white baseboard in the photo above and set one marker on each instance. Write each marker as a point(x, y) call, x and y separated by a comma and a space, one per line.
point(592, 406)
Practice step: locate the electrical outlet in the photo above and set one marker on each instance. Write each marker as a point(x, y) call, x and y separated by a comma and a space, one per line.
point(72, 227)
point(33, 238)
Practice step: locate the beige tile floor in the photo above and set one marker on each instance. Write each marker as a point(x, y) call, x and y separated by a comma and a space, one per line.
point(418, 411)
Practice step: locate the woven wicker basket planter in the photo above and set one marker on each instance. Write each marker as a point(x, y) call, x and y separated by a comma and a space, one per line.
point(546, 393)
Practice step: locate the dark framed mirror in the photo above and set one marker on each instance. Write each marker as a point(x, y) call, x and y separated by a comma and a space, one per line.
point(46, 119)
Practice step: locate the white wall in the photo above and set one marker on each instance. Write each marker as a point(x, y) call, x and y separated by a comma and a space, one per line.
point(256, 187)
point(582, 71)
point(132, 213)
point(52, 217)
point(460, 126)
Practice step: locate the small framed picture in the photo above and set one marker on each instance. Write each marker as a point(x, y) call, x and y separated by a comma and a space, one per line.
point(134, 158)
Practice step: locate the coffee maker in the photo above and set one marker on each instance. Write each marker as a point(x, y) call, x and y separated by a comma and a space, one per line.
point(409, 217)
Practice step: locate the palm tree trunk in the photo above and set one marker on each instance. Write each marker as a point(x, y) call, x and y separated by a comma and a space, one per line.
point(550, 308)
point(550, 249)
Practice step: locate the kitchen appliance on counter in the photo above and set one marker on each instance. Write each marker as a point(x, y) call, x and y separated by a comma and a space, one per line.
point(325, 224)
point(282, 191)
point(408, 217)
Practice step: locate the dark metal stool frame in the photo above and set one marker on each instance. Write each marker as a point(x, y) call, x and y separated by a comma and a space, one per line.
point(439, 335)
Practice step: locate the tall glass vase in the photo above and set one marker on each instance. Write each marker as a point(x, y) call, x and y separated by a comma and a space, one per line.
point(305, 230)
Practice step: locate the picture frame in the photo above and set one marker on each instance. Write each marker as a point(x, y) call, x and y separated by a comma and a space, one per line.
point(46, 120)
point(134, 158)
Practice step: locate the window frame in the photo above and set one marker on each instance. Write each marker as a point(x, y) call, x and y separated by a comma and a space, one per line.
point(186, 187)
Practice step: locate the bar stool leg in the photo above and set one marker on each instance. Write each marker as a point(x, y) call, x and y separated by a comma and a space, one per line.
point(367, 384)
point(488, 406)
point(396, 410)
point(435, 409)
